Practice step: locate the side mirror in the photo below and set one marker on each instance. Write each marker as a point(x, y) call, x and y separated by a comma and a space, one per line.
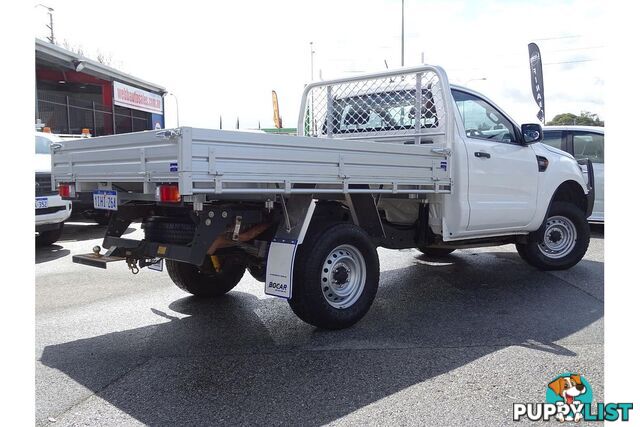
point(532, 132)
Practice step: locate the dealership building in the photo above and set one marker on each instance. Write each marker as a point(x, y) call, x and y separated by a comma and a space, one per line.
point(75, 93)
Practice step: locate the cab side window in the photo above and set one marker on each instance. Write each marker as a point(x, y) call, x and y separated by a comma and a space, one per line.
point(481, 120)
point(588, 145)
point(553, 138)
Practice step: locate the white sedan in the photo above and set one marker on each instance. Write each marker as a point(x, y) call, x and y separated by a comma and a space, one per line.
point(583, 142)
point(51, 210)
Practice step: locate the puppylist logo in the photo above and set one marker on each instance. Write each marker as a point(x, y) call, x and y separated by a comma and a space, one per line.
point(569, 398)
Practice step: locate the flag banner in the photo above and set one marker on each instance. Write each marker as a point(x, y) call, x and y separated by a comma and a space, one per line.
point(537, 83)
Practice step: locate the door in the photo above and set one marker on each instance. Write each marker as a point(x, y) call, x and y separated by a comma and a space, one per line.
point(590, 145)
point(503, 173)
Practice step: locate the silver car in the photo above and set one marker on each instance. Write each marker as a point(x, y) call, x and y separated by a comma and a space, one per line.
point(583, 142)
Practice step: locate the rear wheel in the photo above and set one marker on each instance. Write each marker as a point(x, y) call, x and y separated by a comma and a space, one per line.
point(49, 237)
point(436, 252)
point(560, 242)
point(335, 277)
point(207, 282)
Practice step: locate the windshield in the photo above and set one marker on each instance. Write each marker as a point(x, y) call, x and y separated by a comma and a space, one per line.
point(42, 145)
point(383, 112)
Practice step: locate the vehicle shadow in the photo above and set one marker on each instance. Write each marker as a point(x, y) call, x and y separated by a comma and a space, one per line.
point(244, 360)
point(50, 253)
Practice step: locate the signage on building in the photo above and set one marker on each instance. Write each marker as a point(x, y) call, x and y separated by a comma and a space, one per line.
point(137, 99)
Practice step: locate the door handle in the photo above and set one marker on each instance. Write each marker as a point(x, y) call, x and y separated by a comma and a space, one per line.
point(482, 154)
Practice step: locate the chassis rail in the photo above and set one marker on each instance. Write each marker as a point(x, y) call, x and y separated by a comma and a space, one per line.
point(211, 222)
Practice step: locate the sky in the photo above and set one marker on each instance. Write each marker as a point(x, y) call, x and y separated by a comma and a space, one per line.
point(224, 58)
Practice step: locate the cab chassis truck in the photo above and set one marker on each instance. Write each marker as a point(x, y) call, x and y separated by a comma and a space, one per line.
point(397, 159)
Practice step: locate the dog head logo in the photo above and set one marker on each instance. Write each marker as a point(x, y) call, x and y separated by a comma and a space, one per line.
point(568, 388)
point(569, 391)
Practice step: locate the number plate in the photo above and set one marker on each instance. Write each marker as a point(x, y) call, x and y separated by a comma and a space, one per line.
point(107, 200)
point(42, 202)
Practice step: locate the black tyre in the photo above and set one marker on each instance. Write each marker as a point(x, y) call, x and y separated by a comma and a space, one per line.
point(560, 242)
point(206, 282)
point(335, 277)
point(49, 237)
point(436, 252)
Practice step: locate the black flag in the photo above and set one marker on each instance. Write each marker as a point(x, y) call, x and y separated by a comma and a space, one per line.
point(537, 84)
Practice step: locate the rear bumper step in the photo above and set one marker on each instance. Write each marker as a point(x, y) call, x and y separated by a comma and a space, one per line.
point(95, 260)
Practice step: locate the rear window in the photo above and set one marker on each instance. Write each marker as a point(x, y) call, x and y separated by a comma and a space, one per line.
point(385, 111)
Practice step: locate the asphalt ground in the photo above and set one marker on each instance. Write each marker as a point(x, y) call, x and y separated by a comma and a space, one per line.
point(448, 341)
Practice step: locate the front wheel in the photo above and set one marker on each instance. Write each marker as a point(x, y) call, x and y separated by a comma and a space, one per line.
point(335, 277)
point(560, 242)
point(207, 282)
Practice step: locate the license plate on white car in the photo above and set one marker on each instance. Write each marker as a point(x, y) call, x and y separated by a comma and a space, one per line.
point(42, 202)
point(105, 199)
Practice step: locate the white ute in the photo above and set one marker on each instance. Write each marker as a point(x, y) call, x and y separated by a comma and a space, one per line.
point(51, 210)
point(397, 159)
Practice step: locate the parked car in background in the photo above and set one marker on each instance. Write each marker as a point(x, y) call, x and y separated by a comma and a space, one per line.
point(583, 142)
point(51, 210)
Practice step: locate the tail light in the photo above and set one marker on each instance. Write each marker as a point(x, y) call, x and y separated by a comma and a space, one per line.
point(67, 190)
point(168, 193)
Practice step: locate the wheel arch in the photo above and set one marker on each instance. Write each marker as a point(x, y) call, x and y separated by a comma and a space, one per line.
point(357, 209)
point(572, 192)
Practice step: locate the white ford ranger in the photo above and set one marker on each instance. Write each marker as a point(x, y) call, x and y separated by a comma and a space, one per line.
point(398, 159)
point(51, 210)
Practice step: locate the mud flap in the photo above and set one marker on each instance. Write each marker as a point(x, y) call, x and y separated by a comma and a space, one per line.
point(280, 262)
point(282, 251)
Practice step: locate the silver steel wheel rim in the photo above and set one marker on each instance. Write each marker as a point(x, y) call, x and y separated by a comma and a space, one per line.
point(343, 276)
point(559, 237)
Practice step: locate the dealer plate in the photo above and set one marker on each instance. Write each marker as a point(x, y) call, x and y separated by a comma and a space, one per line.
point(105, 199)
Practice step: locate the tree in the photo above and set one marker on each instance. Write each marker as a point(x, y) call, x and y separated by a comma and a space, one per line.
point(104, 58)
point(584, 119)
point(78, 49)
point(101, 57)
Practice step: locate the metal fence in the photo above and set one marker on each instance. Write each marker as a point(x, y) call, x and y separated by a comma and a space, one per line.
point(64, 114)
point(392, 104)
